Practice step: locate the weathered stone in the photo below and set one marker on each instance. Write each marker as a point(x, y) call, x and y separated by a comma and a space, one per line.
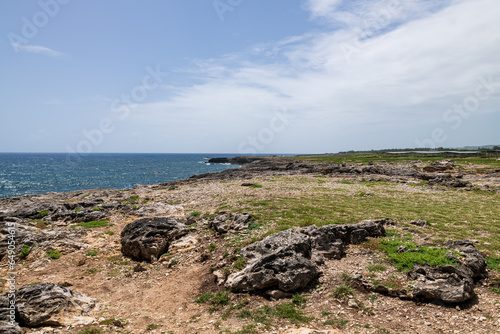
point(448, 283)
point(419, 222)
point(148, 238)
point(473, 258)
point(224, 222)
point(8, 324)
point(50, 304)
point(284, 269)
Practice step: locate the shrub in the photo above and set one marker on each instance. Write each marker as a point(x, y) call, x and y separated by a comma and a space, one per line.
point(43, 213)
point(25, 251)
point(53, 254)
point(92, 252)
point(377, 268)
point(195, 213)
point(342, 291)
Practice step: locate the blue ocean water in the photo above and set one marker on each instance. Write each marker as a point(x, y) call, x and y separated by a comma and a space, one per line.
point(35, 173)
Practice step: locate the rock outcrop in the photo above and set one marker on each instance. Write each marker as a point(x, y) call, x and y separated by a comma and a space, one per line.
point(148, 238)
point(451, 284)
point(46, 304)
point(224, 222)
point(286, 260)
point(8, 324)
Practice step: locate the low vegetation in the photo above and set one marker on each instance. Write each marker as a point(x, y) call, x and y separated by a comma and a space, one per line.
point(93, 224)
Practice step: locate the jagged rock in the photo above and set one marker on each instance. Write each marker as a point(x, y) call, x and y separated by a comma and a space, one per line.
point(286, 260)
point(284, 269)
point(148, 238)
point(419, 222)
point(50, 304)
point(473, 258)
point(8, 324)
point(224, 222)
point(183, 244)
point(62, 239)
point(448, 283)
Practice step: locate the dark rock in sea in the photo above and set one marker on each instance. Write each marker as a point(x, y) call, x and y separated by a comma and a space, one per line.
point(148, 238)
point(50, 304)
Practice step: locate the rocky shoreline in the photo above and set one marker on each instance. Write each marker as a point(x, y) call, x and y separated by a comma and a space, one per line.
point(103, 243)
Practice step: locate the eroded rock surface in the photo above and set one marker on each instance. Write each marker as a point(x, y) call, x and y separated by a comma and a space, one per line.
point(47, 304)
point(285, 260)
point(225, 222)
point(148, 238)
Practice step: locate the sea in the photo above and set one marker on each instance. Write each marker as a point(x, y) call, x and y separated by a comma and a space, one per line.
point(37, 173)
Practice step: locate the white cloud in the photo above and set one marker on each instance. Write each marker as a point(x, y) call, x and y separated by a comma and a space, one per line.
point(399, 81)
point(36, 49)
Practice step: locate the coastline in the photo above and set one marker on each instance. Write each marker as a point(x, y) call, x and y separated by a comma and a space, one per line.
point(281, 193)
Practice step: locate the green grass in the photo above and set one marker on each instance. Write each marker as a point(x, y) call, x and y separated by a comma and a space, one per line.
point(240, 263)
point(93, 224)
point(217, 299)
point(493, 262)
point(195, 213)
point(109, 232)
point(43, 213)
point(92, 330)
point(342, 291)
point(377, 268)
point(53, 254)
point(92, 252)
point(41, 224)
point(212, 247)
point(255, 186)
point(495, 290)
point(405, 261)
point(336, 323)
point(453, 214)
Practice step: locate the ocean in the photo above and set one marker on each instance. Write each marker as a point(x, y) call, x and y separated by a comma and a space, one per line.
point(36, 173)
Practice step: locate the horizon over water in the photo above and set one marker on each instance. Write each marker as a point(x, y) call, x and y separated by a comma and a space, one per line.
point(37, 173)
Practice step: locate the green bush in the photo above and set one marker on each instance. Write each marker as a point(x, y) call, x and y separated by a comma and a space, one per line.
point(195, 213)
point(342, 291)
point(43, 213)
point(25, 251)
point(92, 252)
point(53, 254)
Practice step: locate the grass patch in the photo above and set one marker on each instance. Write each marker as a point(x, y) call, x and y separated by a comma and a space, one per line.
point(43, 213)
point(109, 233)
point(342, 291)
point(255, 186)
point(405, 261)
point(377, 268)
point(53, 254)
point(195, 213)
point(493, 262)
point(217, 299)
point(93, 224)
point(92, 252)
point(240, 263)
point(91, 330)
point(339, 323)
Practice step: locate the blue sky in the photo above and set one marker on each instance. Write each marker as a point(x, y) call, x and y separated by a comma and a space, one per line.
point(241, 76)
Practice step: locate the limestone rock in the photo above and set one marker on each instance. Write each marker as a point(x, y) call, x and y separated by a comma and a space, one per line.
point(148, 238)
point(448, 283)
point(50, 304)
point(8, 324)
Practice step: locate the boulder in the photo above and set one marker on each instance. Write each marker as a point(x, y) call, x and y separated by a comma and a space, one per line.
point(148, 238)
point(284, 269)
point(287, 260)
point(8, 324)
point(473, 258)
point(225, 222)
point(451, 284)
point(50, 304)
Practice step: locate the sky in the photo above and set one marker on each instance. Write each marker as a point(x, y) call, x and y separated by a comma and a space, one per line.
point(248, 76)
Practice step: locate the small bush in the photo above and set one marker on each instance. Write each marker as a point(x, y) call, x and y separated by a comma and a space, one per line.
point(92, 252)
point(288, 311)
point(53, 254)
point(212, 247)
point(342, 291)
point(109, 232)
point(217, 299)
point(336, 323)
point(195, 213)
point(43, 213)
point(495, 290)
point(25, 251)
